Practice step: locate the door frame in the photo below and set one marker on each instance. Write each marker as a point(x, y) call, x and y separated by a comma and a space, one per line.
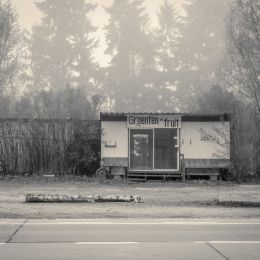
point(155, 170)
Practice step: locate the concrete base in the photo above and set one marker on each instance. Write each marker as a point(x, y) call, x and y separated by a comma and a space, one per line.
point(213, 178)
point(117, 177)
point(118, 172)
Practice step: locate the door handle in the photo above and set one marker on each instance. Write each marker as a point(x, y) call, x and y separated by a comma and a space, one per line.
point(177, 142)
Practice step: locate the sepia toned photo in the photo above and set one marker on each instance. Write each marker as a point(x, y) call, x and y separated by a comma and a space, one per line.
point(130, 129)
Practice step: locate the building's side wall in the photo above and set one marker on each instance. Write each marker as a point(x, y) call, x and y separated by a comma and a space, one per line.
point(198, 140)
point(114, 139)
point(205, 140)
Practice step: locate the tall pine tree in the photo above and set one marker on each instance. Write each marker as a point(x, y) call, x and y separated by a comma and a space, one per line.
point(130, 47)
point(167, 42)
point(62, 45)
point(202, 45)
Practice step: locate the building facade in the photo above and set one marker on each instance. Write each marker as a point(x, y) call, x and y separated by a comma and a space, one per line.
point(165, 144)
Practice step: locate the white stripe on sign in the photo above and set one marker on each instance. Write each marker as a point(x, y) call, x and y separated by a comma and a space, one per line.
point(105, 243)
point(2, 243)
point(227, 242)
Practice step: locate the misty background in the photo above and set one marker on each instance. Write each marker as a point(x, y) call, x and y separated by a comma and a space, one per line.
point(71, 59)
point(127, 55)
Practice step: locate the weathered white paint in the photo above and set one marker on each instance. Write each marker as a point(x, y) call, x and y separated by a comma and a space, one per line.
point(191, 144)
point(193, 147)
point(114, 132)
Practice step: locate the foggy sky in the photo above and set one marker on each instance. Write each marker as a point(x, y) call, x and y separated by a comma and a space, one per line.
point(29, 14)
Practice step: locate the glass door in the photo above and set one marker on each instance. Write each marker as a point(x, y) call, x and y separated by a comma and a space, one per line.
point(141, 149)
point(166, 149)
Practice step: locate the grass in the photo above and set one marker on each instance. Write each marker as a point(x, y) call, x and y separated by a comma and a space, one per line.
point(192, 199)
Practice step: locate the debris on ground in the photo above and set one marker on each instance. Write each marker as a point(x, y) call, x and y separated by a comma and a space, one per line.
point(80, 198)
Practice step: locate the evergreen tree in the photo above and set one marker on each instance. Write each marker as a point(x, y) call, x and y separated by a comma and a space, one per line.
point(216, 99)
point(167, 42)
point(129, 45)
point(202, 44)
point(167, 37)
point(62, 45)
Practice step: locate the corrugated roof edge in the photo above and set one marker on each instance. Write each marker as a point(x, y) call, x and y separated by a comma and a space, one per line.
point(186, 117)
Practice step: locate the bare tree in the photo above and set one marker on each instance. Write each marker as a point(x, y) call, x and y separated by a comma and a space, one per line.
point(244, 49)
point(244, 62)
point(9, 39)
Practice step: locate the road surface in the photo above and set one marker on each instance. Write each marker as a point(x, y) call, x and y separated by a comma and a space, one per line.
point(130, 239)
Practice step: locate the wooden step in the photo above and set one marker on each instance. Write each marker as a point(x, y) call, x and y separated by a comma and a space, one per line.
point(136, 180)
point(137, 177)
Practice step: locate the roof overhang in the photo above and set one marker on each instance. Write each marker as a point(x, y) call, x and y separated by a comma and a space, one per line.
point(185, 117)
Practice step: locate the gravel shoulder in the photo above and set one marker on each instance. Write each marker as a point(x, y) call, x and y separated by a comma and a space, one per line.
point(159, 200)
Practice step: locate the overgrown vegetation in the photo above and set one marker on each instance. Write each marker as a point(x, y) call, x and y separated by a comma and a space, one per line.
point(49, 147)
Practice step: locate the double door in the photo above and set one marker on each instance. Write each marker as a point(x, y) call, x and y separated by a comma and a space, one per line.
point(154, 149)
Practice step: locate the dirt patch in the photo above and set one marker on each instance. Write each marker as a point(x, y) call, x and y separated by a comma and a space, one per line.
point(160, 200)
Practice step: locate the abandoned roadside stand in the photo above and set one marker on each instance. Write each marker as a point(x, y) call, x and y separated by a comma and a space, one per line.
point(165, 145)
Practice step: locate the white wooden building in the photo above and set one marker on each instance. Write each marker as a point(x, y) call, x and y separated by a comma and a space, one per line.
point(165, 145)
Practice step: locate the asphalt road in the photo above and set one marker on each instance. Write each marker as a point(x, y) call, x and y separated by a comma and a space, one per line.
point(130, 239)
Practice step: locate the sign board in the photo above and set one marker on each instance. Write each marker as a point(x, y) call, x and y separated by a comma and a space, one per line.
point(153, 121)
